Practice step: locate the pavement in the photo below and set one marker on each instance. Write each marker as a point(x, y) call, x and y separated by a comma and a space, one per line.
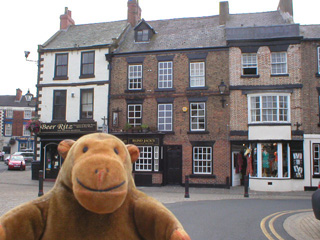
point(17, 187)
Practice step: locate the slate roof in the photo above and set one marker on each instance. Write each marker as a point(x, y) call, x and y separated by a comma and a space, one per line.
point(9, 101)
point(86, 35)
point(197, 32)
point(310, 31)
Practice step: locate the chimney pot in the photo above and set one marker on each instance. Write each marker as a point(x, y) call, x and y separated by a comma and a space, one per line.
point(66, 19)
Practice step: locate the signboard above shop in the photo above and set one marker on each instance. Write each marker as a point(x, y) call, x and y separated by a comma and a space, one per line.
point(69, 127)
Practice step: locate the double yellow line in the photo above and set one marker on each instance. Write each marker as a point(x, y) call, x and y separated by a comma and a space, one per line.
point(274, 217)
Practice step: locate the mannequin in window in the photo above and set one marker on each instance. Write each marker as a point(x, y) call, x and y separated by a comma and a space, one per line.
point(248, 155)
point(265, 162)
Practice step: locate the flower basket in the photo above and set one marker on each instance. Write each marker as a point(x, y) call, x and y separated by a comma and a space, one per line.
point(33, 125)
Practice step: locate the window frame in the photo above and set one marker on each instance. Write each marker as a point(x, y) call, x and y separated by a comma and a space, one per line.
point(7, 129)
point(143, 35)
point(9, 113)
point(143, 160)
point(167, 73)
point(85, 64)
point(199, 80)
point(197, 117)
point(136, 120)
point(249, 64)
point(135, 77)
point(261, 109)
point(82, 93)
point(165, 124)
point(317, 173)
point(202, 159)
point(318, 57)
point(276, 63)
point(62, 65)
point(27, 114)
point(62, 105)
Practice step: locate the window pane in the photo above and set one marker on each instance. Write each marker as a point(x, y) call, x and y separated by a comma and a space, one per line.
point(197, 74)
point(165, 117)
point(165, 75)
point(278, 63)
point(144, 163)
point(87, 104)
point(202, 160)
point(59, 105)
point(135, 114)
point(61, 67)
point(135, 77)
point(249, 64)
point(87, 63)
point(197, 116)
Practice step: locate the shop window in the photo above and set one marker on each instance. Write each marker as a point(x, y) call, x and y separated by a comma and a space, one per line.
point(197, 74)
point(316, 159)
point(144, 163)
point(86, 104)
point(165, 75)
point(8, 129)
point(135, 114)
point(165, 117)
point(9, 113)
point(135, 77)
point(249, 64)
point(279, 63)
point(61, 66)
point(87, 64)
point(197, 116)
point(59, 105)
point(202, 160)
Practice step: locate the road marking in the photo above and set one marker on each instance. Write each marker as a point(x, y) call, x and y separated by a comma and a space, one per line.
point(271, 218)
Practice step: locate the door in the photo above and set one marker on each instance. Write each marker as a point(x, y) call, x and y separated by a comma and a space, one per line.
point(173, 164)
point(52, 161)
point(236, 173)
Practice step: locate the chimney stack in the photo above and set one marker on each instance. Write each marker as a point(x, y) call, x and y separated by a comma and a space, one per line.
point(286, 6)
point(66, 19)
point(134, 12)
point(18, 95)
point(224, 12)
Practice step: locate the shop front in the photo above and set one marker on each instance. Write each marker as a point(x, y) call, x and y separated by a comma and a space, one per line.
point(51, 135)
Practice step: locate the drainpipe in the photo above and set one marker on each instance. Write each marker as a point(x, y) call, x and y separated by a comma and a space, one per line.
point(109, 59)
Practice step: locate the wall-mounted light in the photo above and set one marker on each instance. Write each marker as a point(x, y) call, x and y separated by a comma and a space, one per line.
point(26, 54)
point(222, 88)
point(72, 94)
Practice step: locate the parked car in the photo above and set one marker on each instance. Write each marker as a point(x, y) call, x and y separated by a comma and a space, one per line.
point(28, 156)
point(17, 162)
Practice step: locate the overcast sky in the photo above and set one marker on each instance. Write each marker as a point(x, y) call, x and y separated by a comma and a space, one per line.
point(26, 24)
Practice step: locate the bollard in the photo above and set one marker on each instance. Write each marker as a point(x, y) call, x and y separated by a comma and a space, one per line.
point(228, 182)
point(40, 183)
point(186, 184)
point(246, 186)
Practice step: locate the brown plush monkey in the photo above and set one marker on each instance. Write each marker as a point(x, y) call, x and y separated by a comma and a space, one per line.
point(94, 198)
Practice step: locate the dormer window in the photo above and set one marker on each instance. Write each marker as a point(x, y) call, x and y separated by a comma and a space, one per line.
point(143, 35)
point(143, 32)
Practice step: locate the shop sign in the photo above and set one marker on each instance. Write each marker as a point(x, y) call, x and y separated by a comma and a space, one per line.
point(297, 165)
point(143, 141)
point(68, 127)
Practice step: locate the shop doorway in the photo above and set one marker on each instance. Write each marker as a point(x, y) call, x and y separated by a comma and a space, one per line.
point(52, 161)
point(236, 168)
point(173, 164)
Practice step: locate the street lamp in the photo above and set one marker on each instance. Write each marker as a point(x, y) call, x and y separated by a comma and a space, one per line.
point(28, 96)
point(222, 88)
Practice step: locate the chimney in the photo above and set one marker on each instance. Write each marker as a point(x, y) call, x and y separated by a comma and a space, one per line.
point(286, 6)
point(18, 95)
point(66, 19)
point(134, 12)
point(224, 12)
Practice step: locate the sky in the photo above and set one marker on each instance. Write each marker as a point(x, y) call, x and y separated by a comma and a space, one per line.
point(27, 24)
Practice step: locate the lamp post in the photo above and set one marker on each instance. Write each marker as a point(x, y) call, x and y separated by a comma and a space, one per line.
point(222, 88)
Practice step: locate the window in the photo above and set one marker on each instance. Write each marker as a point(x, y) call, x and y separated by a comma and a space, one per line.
point(144, 163)
point(143, 35)
point(86, 104)
point(135, 114)
point(197, 74)
point(9, 113)
point(165, 117)
point(135, 77)
point(197, 116)
point(202, 160)
point(249, 64)
point(87, 63)
point(26, 132)
point(156, 158)
point(279, 63)
point(318, 60)
point(269, 108)
point(59, 105)
point(61, 67)
point(8, 129)
point(165, 75)
point(316, 158)
point(115, 119)
point(27, 114)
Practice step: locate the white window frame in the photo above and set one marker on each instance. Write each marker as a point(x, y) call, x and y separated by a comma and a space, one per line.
point(196, 116)
point(156, 159)
point(165, 74)
point(316, 159)
point(197, 74)
point(9, 113)
point(136, 118)
point(249, 60)
point(318, 51)
point(202, 160)
point(278, 60)
point(259, 112)
point(27, 114)
point(8, 129)
point(26, 132)
point(144, 163)
point(165, 117)
point(135, 77)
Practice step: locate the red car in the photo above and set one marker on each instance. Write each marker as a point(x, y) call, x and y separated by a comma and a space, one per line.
point(16, 162)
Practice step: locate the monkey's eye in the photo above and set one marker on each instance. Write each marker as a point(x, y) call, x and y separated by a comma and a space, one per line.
point(116, 151)
point(85, 149)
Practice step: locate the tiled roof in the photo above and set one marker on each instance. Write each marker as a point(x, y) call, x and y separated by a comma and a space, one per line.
point(86, 35)
point(9, 101)
point(310, 31)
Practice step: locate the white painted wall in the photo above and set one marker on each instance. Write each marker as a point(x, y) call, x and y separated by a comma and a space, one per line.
point(276, 185)
point(309, 140)
point(269, 132)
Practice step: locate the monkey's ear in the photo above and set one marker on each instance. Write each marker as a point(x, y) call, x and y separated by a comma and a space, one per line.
point(134, 152)
point(64, 147)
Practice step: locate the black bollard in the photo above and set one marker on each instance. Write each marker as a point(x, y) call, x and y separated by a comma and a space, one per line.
point(40, 183)
point(246, 186)
point(186, 184)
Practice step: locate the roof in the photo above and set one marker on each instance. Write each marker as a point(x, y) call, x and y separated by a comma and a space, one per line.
point(200, 32)
point(86, 35)
point(310, 31)
point(9, 101)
